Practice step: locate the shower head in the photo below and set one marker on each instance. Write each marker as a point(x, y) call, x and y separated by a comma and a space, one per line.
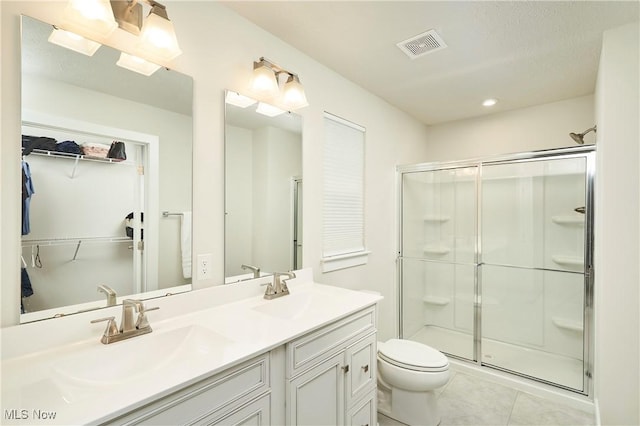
point(579, 137)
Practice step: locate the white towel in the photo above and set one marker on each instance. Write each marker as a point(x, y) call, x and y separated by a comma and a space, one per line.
point(185, 243)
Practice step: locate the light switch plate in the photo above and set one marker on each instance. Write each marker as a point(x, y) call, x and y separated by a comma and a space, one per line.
point(205, 262)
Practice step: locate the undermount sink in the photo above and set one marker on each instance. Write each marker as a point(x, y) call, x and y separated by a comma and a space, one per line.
point(137, 357)
point(294, 305)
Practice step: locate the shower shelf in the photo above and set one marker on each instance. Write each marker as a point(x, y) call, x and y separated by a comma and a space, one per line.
point(568, 324)
point(436, 300)
point(568, 260)
point(568, 220)
point(439, 250)
point(435, 218)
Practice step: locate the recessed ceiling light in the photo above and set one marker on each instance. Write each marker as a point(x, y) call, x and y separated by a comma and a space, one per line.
point(489, 102)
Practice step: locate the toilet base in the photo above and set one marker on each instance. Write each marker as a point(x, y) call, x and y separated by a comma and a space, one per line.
point(411, 408)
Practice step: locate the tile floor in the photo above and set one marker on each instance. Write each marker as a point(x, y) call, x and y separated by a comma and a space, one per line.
point(468, 400)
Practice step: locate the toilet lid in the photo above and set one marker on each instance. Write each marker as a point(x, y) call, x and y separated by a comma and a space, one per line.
point(412, 355)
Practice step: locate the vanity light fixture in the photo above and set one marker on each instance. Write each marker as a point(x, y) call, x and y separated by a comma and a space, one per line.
point(269, 110)
point(265, 84)
point(136, 64)
point(73, 41)
point(235, 98)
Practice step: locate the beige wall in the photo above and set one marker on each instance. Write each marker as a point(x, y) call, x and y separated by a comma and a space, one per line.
point(617, 287)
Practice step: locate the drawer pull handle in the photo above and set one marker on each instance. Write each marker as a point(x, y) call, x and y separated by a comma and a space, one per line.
point(365, 368)
point(345, 369)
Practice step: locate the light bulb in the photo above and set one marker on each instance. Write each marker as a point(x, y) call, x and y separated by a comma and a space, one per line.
point(489, 102)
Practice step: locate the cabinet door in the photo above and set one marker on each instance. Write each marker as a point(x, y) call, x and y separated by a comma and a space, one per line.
point(317, 396)
point(361, 359)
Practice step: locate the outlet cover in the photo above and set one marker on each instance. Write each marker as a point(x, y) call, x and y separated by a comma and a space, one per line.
point(205, 262)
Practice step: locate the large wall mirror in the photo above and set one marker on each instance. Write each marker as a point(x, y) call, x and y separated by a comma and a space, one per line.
point(263, 189)
point(95, 229)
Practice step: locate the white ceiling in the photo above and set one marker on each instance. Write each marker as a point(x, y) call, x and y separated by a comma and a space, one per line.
point(523, 53)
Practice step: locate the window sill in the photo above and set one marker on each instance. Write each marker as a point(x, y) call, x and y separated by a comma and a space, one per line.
point(343, 261)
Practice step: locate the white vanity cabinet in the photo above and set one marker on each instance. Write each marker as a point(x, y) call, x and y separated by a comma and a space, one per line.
point(331, 373)
point(238, 396)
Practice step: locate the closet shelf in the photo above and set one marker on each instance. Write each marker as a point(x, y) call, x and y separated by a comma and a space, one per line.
point(77, 158)
point(436, 300)
point(73, 240)
point(568, 220)
point(58, 154)
point(568, 324)
point(568, 260)
point(435, 218)
point(437, 250)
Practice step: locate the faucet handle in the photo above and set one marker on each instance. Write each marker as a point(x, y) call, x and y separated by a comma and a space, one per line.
point(110, 331)
point(142, 320)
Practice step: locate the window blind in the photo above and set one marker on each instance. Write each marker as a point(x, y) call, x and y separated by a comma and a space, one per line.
point(343, 203)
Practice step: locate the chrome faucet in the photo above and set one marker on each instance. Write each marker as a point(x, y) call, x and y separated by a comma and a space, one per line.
point(128, 328)
point(111, 294)
point(279, 287)
point(255, 269)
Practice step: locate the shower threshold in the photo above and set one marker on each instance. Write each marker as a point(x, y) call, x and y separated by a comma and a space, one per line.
point(563, 371)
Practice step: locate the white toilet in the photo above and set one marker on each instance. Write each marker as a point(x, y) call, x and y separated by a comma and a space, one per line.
point(408, 374)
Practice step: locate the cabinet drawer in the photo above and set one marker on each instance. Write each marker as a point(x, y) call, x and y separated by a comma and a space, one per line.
point(226, 390)
point(365, 412)
point(312, 348)
point(362, 361)
point(257, 412)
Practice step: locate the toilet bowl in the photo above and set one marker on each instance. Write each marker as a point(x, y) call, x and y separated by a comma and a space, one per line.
point(408, 374)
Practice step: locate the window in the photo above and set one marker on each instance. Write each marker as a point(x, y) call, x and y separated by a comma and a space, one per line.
point(343, 204)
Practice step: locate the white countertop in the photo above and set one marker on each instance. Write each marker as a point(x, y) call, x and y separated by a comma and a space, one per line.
point(187, 348)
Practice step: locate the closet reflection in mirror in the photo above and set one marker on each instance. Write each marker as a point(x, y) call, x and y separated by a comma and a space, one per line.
point(263, 191)
point(95, 221)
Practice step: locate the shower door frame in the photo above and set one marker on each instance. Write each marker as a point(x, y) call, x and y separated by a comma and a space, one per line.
point(587, 152)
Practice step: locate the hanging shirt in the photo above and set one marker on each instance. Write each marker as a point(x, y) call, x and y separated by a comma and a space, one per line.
point(27, 192)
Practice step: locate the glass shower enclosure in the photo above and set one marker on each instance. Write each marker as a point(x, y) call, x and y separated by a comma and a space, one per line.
point(495, 262)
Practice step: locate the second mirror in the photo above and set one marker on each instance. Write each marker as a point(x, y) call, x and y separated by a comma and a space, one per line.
point(263, 189)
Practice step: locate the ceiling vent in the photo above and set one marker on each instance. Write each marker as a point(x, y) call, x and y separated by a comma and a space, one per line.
point(422, 44)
